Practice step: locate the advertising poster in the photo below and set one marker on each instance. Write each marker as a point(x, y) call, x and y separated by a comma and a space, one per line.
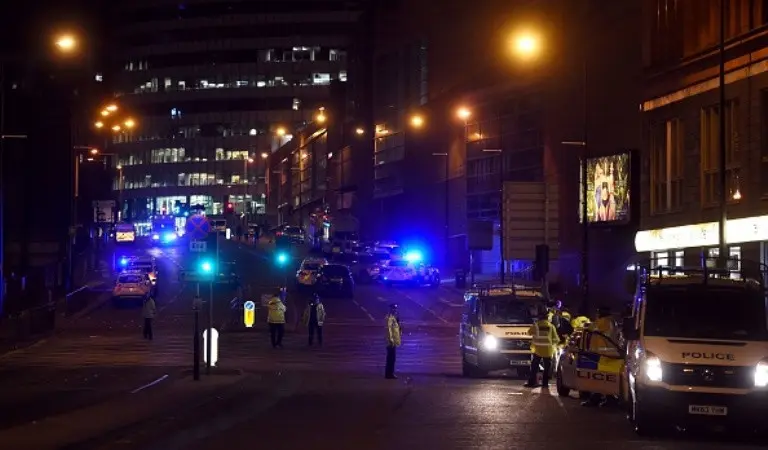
point(607, 189)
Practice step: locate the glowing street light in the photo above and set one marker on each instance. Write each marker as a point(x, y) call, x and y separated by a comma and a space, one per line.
point(463, 113)
point(104, 113)
point(280, 131)
point(250, 160)
point(359, 131)
point(116, 128)
point(527, 45)
point(111, 108)
point(119, 167)
point(66, 43)
point(99, 124)
point(94, 151)
point(129, 123)
point(264, 155)
point(417, 121)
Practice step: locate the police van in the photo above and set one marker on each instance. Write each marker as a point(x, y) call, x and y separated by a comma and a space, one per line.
point(697, 347)
point(493, 333)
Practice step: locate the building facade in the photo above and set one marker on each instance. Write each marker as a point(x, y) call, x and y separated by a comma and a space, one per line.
point(681, 111)
point(214, 88)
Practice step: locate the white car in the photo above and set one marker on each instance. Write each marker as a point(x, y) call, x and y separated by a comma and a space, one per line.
point(307, 274)
point(131, 285)
point(399, 271)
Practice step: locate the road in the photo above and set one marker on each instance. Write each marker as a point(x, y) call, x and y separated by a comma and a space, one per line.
point(98, 384)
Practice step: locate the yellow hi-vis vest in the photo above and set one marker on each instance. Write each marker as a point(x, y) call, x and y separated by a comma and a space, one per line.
point(394, 338)
point(545, 339)
point(579, 322)
point(276, 311)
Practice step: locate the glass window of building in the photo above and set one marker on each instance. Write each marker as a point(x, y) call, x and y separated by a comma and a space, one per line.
point(321, 78)
point(660, 259)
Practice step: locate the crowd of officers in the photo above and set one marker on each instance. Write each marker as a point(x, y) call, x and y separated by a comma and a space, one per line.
point(552, 330)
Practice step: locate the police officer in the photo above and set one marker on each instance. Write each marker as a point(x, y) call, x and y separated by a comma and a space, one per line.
point(276, 320)
point(543, 347)
point(313, 318)
point(394, 340)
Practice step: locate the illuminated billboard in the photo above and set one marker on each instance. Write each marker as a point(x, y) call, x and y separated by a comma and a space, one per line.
point(608, 181)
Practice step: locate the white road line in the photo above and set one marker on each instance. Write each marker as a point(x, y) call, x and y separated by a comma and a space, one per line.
point(149, 385)
point(450, 303)
point(362, 308)
point(424, 307)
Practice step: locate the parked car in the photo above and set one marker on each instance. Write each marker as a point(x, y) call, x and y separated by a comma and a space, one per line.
point(335, 280)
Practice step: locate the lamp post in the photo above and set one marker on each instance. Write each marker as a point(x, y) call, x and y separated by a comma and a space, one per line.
point(447, 203)
point(723, 182)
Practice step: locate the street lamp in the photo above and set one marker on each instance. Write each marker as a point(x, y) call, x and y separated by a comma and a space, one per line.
point(280, 131)
point(359, 131)
point(66, 43)
point(417, 121)
point(526, 45)
point(116, 128)
point(129, 123)
point(463, 113)
point(264, 155)
point(321, 116)
point(99, 124)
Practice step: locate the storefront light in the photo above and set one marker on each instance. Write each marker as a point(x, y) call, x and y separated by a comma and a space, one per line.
point(737, 231)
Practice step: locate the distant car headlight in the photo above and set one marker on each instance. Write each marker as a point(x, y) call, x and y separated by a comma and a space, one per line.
point(653, 367)
point(155, 237)
point(761, 374)
point(490, 342)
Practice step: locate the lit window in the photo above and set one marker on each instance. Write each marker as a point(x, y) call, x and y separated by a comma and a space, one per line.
point(679, 258)
point(343, 75)
point(253, 132)
point(321, 78)
point(261, 83)
point(296, 104)
point(99, 77)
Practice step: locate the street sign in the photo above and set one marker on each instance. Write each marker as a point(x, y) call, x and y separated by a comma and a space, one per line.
point(214, 346)
point(197, 246)
point(198, 227)
point(249, 314)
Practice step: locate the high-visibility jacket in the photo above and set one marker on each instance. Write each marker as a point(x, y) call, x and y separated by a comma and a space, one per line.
point(275, 311)
point(579, 322)
point(308, 313)
point(394, 338)
point(606, 326)
point(545, 339)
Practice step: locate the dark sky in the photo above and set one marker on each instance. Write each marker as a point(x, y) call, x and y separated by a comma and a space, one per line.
point(26, 24)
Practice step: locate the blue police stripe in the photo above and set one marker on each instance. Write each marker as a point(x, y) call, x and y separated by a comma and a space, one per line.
point(588, 361)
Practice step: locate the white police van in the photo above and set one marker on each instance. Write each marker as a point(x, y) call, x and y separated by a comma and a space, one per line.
point(493, 334)
point(697, 348)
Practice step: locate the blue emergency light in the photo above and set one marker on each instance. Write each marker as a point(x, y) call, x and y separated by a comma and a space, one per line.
point(123, 261)
point(168, 237)
point(282, 258)
point(414, 256)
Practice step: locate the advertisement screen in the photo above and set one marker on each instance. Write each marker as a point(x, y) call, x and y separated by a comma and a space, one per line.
point(607, 189)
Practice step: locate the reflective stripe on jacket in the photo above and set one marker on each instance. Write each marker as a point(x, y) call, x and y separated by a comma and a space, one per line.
point(394, 338)
point(545, 339)
point(320, 314)
point(276, 311)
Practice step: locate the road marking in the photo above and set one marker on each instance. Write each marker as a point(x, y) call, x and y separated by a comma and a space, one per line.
point(423, 307)
point(450, 303)
point(382, 299)
point(150, 384)
point(362, 308)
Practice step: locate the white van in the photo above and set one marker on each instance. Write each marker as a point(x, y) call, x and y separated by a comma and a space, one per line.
point(494, 329)
point(697, 348)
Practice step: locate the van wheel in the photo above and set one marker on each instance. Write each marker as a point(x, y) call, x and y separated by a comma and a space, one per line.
point(562, 390)
point(642, 420)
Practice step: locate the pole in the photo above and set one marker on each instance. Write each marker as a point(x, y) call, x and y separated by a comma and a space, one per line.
point(217, 271)
point(2, 187)
point(73, 218)
point(196, 338)
point(503, 268)
point(447, 210)
point(585, 303)
point(723, 247)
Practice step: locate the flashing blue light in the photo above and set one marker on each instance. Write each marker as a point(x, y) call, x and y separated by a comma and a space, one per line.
point(206, 266)
point(155, 237)
point(282, 258)
point(167, 237)
point(414, 256)
point(123, 261)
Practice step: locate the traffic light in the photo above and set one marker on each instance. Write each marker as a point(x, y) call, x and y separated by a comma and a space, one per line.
point(282, 258)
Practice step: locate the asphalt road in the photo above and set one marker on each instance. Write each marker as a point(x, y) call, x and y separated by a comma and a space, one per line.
point(324, 397)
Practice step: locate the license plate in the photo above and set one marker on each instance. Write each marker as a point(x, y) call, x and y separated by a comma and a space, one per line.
point(519, 362)
point(703, 410)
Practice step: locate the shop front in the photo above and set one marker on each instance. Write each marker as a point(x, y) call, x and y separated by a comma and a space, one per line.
point(686, 245)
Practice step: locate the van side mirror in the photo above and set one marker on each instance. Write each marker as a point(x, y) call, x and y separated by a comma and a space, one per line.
point(628, 329)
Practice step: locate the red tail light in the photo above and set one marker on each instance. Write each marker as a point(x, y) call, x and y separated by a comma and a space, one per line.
point(279, 233)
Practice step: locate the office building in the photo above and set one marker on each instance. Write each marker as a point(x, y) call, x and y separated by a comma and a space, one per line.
point(211, 86)
point(681, 110)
